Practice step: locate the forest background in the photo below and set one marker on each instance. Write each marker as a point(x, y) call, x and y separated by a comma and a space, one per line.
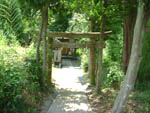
point(22, 87)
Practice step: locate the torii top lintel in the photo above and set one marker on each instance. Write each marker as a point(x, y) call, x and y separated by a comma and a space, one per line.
point(76, 34)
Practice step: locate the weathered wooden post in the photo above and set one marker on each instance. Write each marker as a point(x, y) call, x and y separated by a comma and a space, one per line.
point(92, 45)
point(49, 60)
point(99, 68)
point(100, 57)
point(92, 60)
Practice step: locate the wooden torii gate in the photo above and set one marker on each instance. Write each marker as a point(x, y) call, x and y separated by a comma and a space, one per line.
point(94, 42)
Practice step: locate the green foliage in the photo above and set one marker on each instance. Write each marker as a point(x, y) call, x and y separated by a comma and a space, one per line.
point(112, 56)
point(10, 12)
point(114, 46)
point(60, 16)
point(19, 87)
point(143, 78)
point(91, 8)
point(84, 59)
point(10, 79)
point(144, 70)
point(37, 4)
point(78, 23)
point(115, 76)
point(144, 98)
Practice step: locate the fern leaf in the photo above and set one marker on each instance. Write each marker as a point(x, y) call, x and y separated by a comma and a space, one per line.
point(10, 11)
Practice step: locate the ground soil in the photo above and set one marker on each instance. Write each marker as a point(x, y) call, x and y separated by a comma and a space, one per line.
point(103, 102)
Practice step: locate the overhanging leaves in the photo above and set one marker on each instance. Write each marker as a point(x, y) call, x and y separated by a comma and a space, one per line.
point(10, 12)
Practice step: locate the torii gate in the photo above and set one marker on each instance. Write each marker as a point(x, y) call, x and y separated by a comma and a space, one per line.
point(91, 44)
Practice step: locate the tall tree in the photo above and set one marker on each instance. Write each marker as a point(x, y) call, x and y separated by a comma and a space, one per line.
point(130, 12)
point(43, 35)
point(134, 62)
point(129, 23)
point(41, 6)
point(100, 56)
point(100, 49)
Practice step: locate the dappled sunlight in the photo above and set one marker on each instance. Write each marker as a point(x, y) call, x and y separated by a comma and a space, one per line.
point(69, 78)
point(73, 107)
point(71, 101)
point(71, 88)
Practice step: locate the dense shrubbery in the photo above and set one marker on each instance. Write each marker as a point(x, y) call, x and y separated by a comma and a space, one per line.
point(84, 59)
point(112, 73)
point(142, 95)
point(144, 70)
point(114, 76)
point(19, 87)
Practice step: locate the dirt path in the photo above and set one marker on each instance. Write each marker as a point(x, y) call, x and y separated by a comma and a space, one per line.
point(71, 87)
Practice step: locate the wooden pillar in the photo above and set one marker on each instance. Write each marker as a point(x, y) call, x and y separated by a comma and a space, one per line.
point(92, 63)
point(49, 62)
point(99, 70)
point(92, 58)
point(100, 57)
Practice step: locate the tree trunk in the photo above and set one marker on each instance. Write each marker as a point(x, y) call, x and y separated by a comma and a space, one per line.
point(92, 60)
point(38, 52)
point(38, 56)
point(129, 23)
point(50, 57)
point(134, 63)
point(100, 54)
point(44, 34)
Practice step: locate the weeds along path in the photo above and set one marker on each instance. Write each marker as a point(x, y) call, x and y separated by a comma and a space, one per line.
point(71, 87)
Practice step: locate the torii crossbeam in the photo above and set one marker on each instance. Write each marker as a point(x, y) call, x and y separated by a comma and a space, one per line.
point(76, 34)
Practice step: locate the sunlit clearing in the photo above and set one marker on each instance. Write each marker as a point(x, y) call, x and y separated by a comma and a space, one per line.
point(69, 78)
point(73, 107)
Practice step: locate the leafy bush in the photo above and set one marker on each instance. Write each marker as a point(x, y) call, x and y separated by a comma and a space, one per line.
point(144, 98)
point(19, 86)
point(114, 76)
point(144, 69)
point(11, 82)
point(112, 55)
point(84, 58)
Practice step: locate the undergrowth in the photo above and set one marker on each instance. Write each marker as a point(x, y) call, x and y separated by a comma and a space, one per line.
point(19, 87)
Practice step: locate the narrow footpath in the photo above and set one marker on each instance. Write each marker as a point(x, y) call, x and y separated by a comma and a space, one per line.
point(71, 87)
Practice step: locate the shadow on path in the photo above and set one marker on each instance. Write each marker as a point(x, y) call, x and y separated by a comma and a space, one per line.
point(71, 86)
